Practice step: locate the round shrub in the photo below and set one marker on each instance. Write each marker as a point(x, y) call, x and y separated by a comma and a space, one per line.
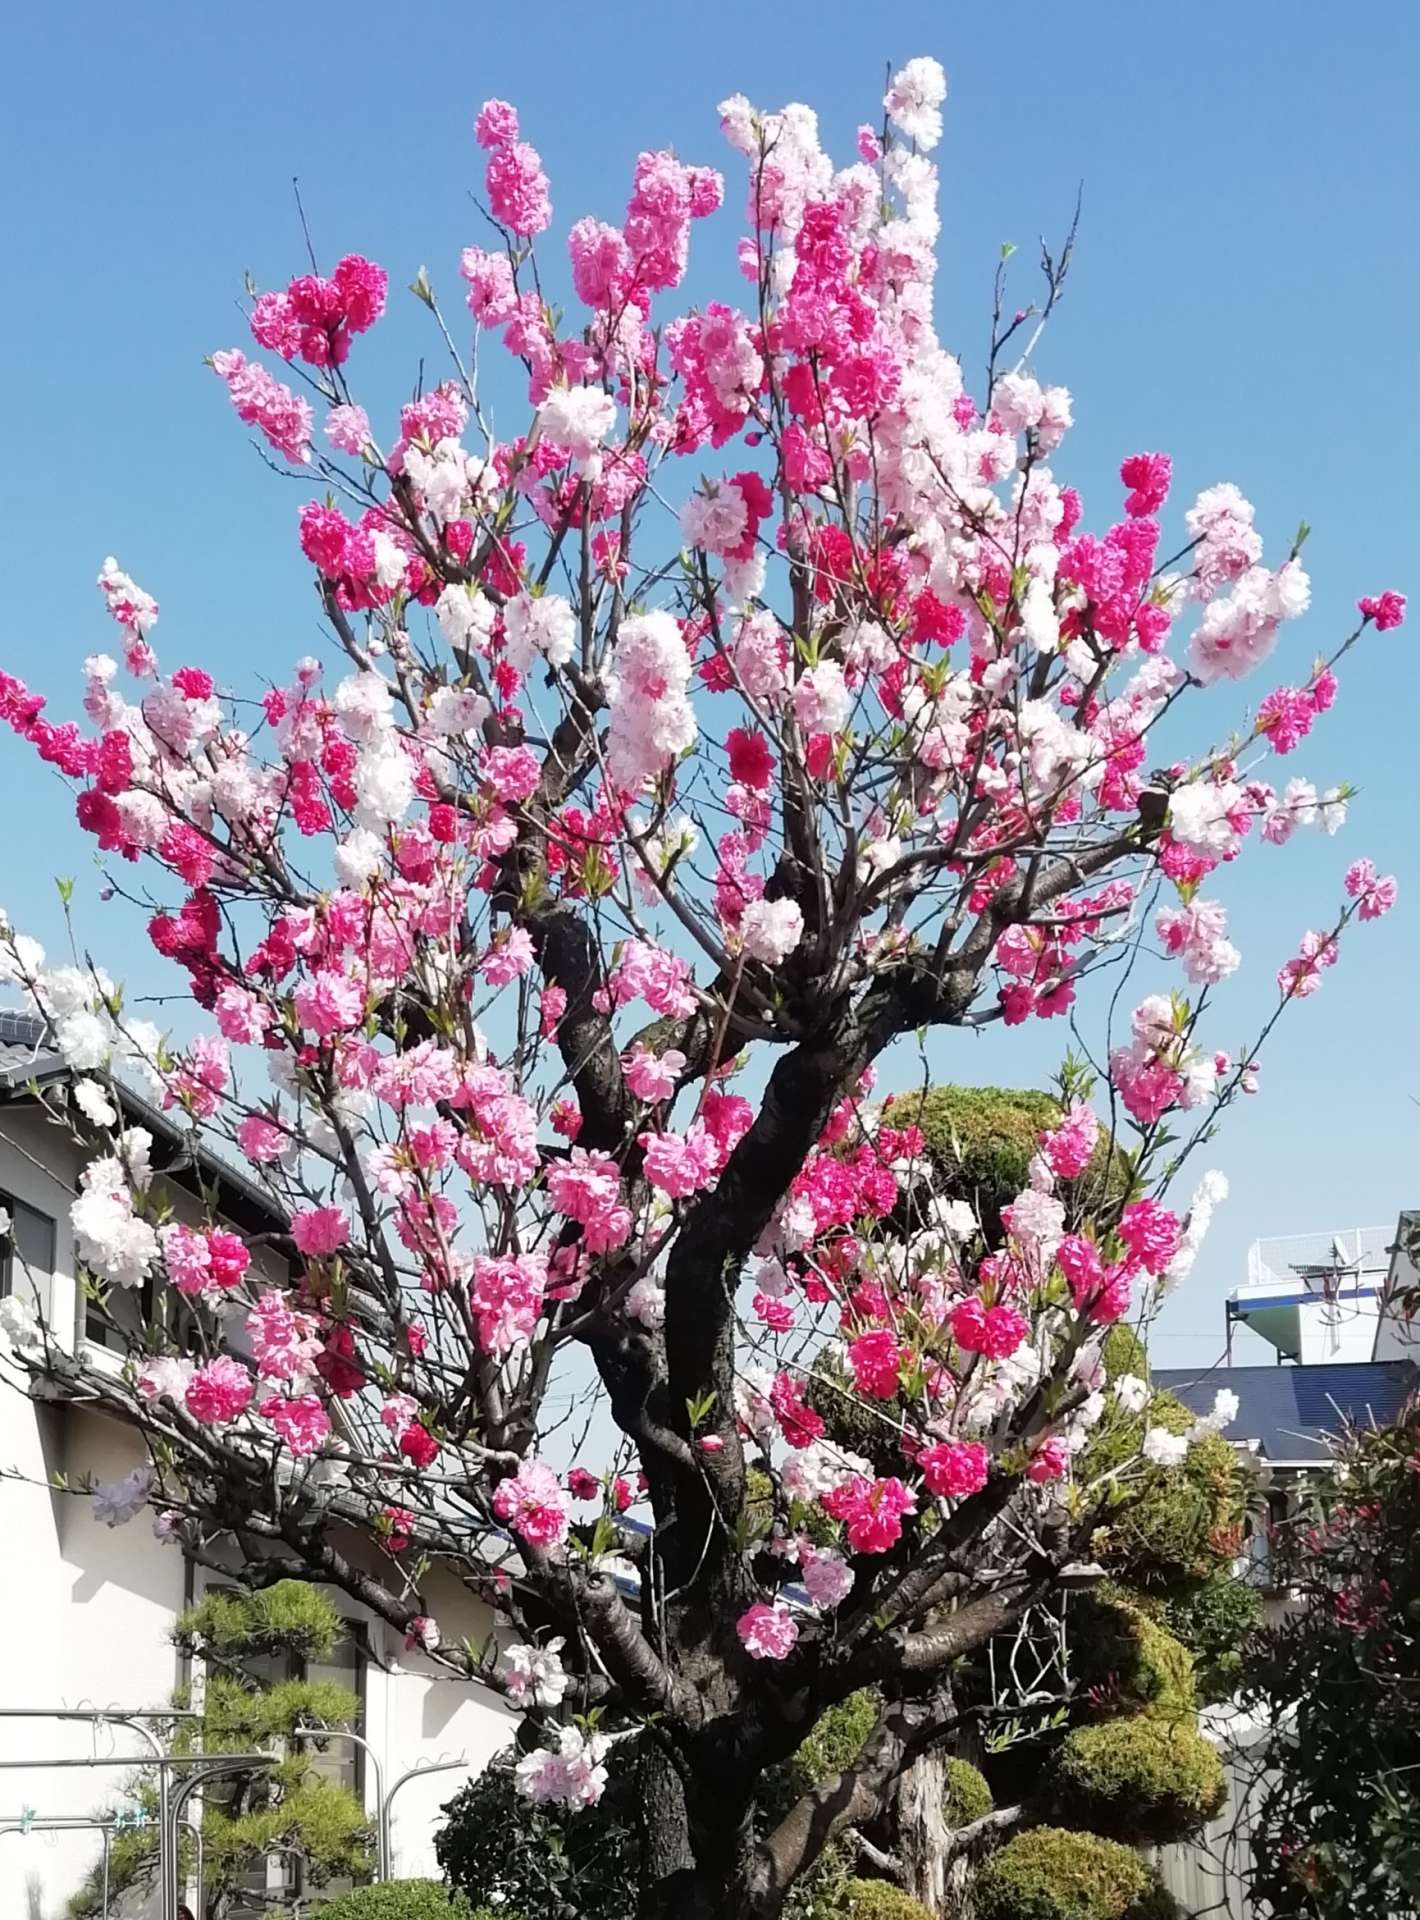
point(979, 1142)
point(880, 1900)
point(1143, 1779)
point(1117, 1649)
point(1051, 1874)
point(967, 1797)
point(401, 1900)
point(1167, 1525)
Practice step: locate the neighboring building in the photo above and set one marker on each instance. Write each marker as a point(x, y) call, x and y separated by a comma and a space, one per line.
point(1287, 1415)
point(1315, 1297)
point(1328, 1304)
point(85, 1611)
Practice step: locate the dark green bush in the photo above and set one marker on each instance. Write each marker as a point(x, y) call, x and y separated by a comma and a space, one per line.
point(1144, 1779)
point(551, 1863)
point(1214, 1620)
point(1050, 1874)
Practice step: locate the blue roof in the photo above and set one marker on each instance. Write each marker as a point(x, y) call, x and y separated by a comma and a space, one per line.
point(1289, 1411)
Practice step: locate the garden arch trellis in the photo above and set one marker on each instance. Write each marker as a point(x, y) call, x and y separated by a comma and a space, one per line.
point(210, 1767)
point(170, 1805)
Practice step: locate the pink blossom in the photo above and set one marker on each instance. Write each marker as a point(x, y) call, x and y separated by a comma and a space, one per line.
point(241, 1016)
point(1387, 609)
point(320, 1231)
point(954, 1468)
point(348, 429)
point(509, 958)
point(219, 1391)
point(871, 1511)
point(512, 773)
point(1299, 978)
point(679, 1165)
point(651, 1076)
point(517, 189)
point(534, 1503)
point(877, 1361)
point(1151, 1234)
point(1069, 1146)
point(330, 1002)
point(492, 291)
point(767, 1632)
point(496, 124)
point(587, 1187)
point(1376, 893)
point(507, 1295)
point(302, 1422)
point(828, 1579)
point(1050, 1460)
point(261, 401)
point(582, 1484)
point(994, 1331)
point(1148, 476)
point(286, 1343)
point(261, 1140)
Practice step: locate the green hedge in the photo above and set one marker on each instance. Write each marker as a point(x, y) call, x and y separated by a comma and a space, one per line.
point(1050, 1874)
point(1146, 1780)
point(404, 1900)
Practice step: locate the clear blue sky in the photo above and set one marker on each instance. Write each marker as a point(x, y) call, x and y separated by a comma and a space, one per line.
point(1244, 296)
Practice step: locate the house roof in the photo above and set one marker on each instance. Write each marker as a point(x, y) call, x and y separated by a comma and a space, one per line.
point(28, 1056)
point(1288, 1412)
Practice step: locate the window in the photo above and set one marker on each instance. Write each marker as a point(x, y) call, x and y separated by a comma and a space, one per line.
point(27, 1249)
point(123, 1310)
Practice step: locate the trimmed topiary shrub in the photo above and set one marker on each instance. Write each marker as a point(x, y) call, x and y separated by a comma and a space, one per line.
point(967, 1797)
point(1125, 1659)
point(1049, 1874)
point(404, 1900)
point(1170, 1526)
point(979, 1142)
point(1144, 1779)
point(880, 1900)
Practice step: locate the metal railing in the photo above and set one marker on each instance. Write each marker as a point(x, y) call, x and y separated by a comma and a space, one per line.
point(1318, 1262)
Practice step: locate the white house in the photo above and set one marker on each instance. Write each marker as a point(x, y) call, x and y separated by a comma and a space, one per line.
point(86, 1611)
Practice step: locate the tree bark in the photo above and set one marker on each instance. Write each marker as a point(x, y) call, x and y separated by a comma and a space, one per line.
point(923, 1836)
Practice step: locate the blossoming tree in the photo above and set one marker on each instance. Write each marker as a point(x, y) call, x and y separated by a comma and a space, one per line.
point(546, 947)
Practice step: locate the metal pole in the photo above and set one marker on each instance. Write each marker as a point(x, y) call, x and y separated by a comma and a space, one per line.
point(196, 1832)
point(210, 1767)
point(382, 1865)
point(434, 1766)
point(10, 1823)
point(124, 1718)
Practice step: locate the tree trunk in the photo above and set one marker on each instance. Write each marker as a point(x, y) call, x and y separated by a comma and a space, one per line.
point(922, 1831)
point(689, 1856)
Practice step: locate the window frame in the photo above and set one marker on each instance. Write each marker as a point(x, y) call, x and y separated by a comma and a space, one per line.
point(9, 1245)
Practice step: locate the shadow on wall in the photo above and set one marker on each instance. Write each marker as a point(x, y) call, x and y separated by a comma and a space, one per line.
point(128, 1557)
